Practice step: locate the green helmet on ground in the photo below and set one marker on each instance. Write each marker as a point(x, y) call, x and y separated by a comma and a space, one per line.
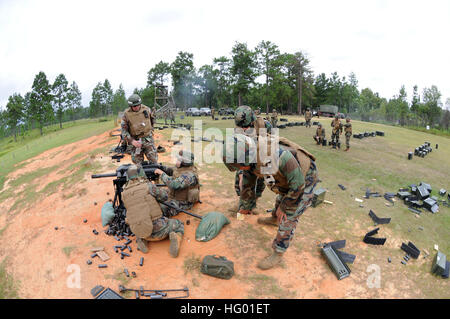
point(134, 100)
point(244, 116)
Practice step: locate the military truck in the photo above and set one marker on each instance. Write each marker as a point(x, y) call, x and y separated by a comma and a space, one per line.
point(328, 110)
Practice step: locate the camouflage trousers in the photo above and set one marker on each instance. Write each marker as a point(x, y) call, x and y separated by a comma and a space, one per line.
point(252, 189)
point(347, 140)
point(287, 228)
point(163, 226)
point(148, 148)
point(318, 139)
point(274, 123)
point(308, 123)
point(335, 137)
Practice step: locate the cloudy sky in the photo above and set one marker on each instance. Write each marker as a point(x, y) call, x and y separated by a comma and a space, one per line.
point(385, 43)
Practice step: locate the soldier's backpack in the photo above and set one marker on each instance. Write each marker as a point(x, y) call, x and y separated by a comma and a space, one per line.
point(217, 266)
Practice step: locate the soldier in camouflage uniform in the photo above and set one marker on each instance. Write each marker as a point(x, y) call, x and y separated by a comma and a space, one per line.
point(171, 116)
point(336, 131)
point(166, 116)
point(144, 214)
point(274, 118)
point(184, 185)
point(248, 186)
point(213, 111)
point(320, 134)
point(308, 117)
point(294, 182)
point(137, 129)
point(348, 133)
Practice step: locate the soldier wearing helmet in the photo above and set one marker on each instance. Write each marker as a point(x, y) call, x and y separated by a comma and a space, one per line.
point(336, 131)
point(145, 215)
point(274, 118)
point(293, 178)
point(308, 117)
point(320, 134)
point(137, 129)
point(183, 185)
point(247, 186)
point(348, 133)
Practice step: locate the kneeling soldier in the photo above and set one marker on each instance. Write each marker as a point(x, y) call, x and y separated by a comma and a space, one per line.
point(144, 213)
point(320, 134)
point(293, 179)
point(184, 185)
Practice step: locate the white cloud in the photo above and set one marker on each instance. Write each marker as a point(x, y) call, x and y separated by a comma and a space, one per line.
point(385, 43)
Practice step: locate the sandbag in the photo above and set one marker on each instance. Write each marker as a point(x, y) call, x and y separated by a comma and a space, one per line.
point(210, 226)
point(107, 213)
point(217, 266)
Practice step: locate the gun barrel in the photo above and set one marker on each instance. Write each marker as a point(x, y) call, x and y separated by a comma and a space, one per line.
point(104, 175)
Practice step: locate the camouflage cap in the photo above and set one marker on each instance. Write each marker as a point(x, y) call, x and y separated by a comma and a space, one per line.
point(185, 157)
point(134, 172)
point(134, 100)
point(244, 116)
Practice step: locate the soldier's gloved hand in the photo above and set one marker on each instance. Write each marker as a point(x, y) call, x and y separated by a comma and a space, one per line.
point(281, 217)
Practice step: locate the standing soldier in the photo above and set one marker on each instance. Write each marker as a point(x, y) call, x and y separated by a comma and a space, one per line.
point(308, 117)
point(166, 116)
point(213, 110)
point(171, 116)
point(348, 133)
point(248, 187)
point(274, 118)
point(293, 179)
point(144, 214)
point(320, 134)
point(336, 131)
point(137, 129)
point(184, 184)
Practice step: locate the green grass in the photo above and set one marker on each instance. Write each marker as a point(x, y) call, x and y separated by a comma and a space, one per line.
point(264, 286)
point(8, 287)
point(68, 250)
point(192, 264)
point(14, 153)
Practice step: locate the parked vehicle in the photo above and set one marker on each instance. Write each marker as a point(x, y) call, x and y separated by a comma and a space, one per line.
point(192, 111)
point(205, 111)
point(328, 110)
point(226, 111)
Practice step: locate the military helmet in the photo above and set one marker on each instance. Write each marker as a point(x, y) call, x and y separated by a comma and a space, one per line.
point(319, 125)
point(244, 116)
point(185, 157)
point(336, 116)
point(135, 171)
point(238, 150)
point(134, 100)
point(347, 119)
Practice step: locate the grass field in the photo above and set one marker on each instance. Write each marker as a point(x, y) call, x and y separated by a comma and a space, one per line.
point(378, 163)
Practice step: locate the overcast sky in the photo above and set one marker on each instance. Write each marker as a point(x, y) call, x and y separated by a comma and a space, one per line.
point(385, 43)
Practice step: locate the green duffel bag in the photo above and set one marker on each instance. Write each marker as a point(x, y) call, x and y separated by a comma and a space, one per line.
point(217, 266)
point(210, 226)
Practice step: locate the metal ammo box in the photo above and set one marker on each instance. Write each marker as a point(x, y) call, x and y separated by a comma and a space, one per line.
point(319, 196)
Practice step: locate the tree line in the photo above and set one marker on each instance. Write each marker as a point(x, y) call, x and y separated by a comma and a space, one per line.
point(261, 77)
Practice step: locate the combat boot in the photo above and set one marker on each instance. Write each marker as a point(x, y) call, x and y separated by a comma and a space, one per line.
point(348, 147)
point(270, 261)
point(142, 245)
point(175, 243)
point(270, 221)
point(234, 207)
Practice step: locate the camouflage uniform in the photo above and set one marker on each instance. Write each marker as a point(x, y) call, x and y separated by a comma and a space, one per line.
point(139, 215)
point(185, 179)
point(308, 117)
point(320, 134)
point(148, 145)
point(274, 118)
point(252, 187)
point(172, 117)
point(166, 116)
point(295, 193)
point(348, 133)
point(336, 131)
point(213, 110)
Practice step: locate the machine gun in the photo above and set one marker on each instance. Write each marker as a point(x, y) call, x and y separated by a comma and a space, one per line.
point(121, 178)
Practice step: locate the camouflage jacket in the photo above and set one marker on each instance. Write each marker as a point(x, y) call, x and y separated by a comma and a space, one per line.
point(348, 128)
point(320, 132)
point(308, 115)
point(183, 181)
point(336, 125)
point(125, 124)
point(289, 181)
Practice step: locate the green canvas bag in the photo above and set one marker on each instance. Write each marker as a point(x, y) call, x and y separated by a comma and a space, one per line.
point(217, 266)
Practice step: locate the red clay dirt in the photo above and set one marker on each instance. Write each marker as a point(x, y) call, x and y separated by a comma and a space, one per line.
point(36, 257)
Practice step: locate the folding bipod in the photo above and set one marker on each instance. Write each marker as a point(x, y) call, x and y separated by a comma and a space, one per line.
point(154, 293)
